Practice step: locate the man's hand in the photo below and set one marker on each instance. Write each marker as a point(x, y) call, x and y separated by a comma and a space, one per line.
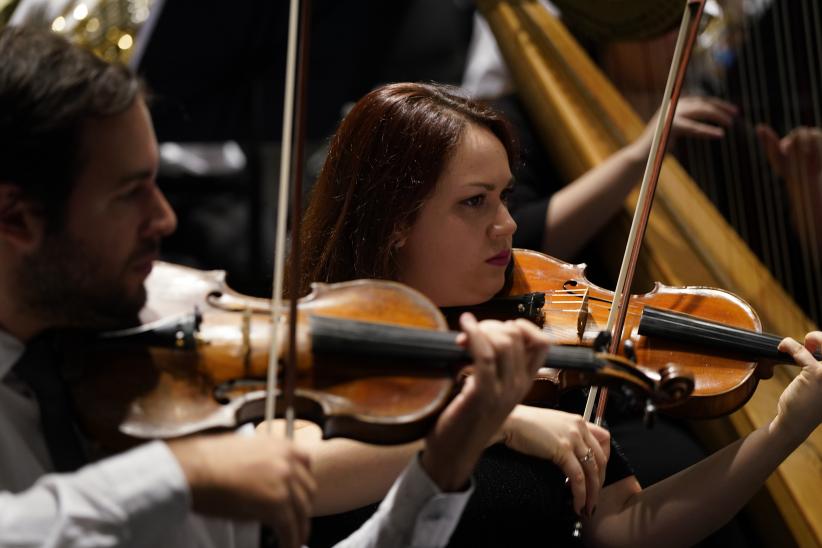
point(506, 358)
point(261, 478)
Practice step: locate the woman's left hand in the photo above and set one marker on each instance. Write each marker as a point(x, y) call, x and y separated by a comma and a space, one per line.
point(579, 448)
point(800, 406)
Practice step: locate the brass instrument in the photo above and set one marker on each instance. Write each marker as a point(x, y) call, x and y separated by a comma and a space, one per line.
point(7, 7)
point(109, 28)
point(582, 119)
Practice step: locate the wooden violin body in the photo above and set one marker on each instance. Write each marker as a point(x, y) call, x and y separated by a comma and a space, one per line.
point(140, 387)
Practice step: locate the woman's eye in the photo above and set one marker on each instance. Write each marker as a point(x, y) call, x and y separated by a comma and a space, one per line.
point(505, 195)
point(474, 201)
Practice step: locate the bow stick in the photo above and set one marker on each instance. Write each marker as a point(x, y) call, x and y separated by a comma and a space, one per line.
point(673, 89)
point(296, 75)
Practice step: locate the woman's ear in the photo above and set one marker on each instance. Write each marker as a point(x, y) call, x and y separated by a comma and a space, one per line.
point(398, 238)
point(21, 225)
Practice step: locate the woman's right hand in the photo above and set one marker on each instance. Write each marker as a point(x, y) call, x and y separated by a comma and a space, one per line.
point(564, 439)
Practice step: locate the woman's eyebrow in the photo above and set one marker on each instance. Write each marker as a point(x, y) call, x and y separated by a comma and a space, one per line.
point(487, 186)
point(490, 186)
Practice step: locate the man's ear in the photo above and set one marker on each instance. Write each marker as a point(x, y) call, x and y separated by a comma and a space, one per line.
point(21, 224)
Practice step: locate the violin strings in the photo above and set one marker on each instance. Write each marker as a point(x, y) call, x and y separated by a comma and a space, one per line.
point(753, 340)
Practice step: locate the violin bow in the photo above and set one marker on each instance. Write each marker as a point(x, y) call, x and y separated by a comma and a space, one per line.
point(296, 75)
point(673, 89)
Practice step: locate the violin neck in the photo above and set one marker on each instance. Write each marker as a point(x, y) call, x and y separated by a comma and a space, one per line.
point(430, 352)
point(688, 329)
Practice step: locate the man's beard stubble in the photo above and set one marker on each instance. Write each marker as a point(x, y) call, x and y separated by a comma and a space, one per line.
point(67, 287)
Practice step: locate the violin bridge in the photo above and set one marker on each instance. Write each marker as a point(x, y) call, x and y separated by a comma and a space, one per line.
point(582, 315)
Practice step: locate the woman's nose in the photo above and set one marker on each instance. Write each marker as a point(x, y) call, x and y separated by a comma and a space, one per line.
point(503, 225)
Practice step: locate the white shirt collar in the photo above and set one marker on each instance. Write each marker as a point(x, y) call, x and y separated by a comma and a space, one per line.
point(10, 351)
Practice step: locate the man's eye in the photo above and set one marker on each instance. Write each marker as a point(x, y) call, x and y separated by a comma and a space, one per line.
point(132, 191)
point(475, 201)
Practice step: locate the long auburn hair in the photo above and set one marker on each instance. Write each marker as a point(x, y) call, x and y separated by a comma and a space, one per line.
point(382, 165)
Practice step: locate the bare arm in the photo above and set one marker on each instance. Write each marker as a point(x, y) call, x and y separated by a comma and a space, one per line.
point(577, 212)
point(351, 474)
point(683, 509)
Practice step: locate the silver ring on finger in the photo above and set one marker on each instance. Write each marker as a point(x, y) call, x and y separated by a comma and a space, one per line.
point(587, 457)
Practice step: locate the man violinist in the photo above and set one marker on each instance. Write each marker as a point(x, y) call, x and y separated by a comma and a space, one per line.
point(81, 220)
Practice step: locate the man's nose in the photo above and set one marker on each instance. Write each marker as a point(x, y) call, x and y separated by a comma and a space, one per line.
point(163, 221)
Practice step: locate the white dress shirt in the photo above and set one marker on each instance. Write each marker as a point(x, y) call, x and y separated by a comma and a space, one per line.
point(140, 497)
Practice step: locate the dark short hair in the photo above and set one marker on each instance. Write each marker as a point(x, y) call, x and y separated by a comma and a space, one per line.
point(48, 89)
point(383, 163)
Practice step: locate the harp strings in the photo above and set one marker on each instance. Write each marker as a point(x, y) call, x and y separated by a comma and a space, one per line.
point(769, 63)
point(775, 237)
point(811, 26)
point(793, 112)
point(736, 174)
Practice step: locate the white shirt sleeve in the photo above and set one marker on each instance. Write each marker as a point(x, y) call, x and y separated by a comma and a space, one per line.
point(128, 499)
point(415, 514)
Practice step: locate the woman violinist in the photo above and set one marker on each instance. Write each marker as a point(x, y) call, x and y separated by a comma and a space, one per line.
point(414, 190)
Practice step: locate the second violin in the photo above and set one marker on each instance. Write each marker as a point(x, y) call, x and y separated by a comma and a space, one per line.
point(711, 333)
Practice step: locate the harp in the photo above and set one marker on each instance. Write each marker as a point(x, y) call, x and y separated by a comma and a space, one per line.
point(582, 119)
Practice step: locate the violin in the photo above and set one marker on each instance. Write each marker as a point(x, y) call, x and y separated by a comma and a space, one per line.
point(711, 333)
point(375, 363)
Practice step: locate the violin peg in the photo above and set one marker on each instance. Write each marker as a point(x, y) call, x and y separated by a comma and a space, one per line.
point(602, 341)
point(629, 349)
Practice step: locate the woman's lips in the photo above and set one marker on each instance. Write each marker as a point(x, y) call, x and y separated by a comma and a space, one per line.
point(501, 258)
